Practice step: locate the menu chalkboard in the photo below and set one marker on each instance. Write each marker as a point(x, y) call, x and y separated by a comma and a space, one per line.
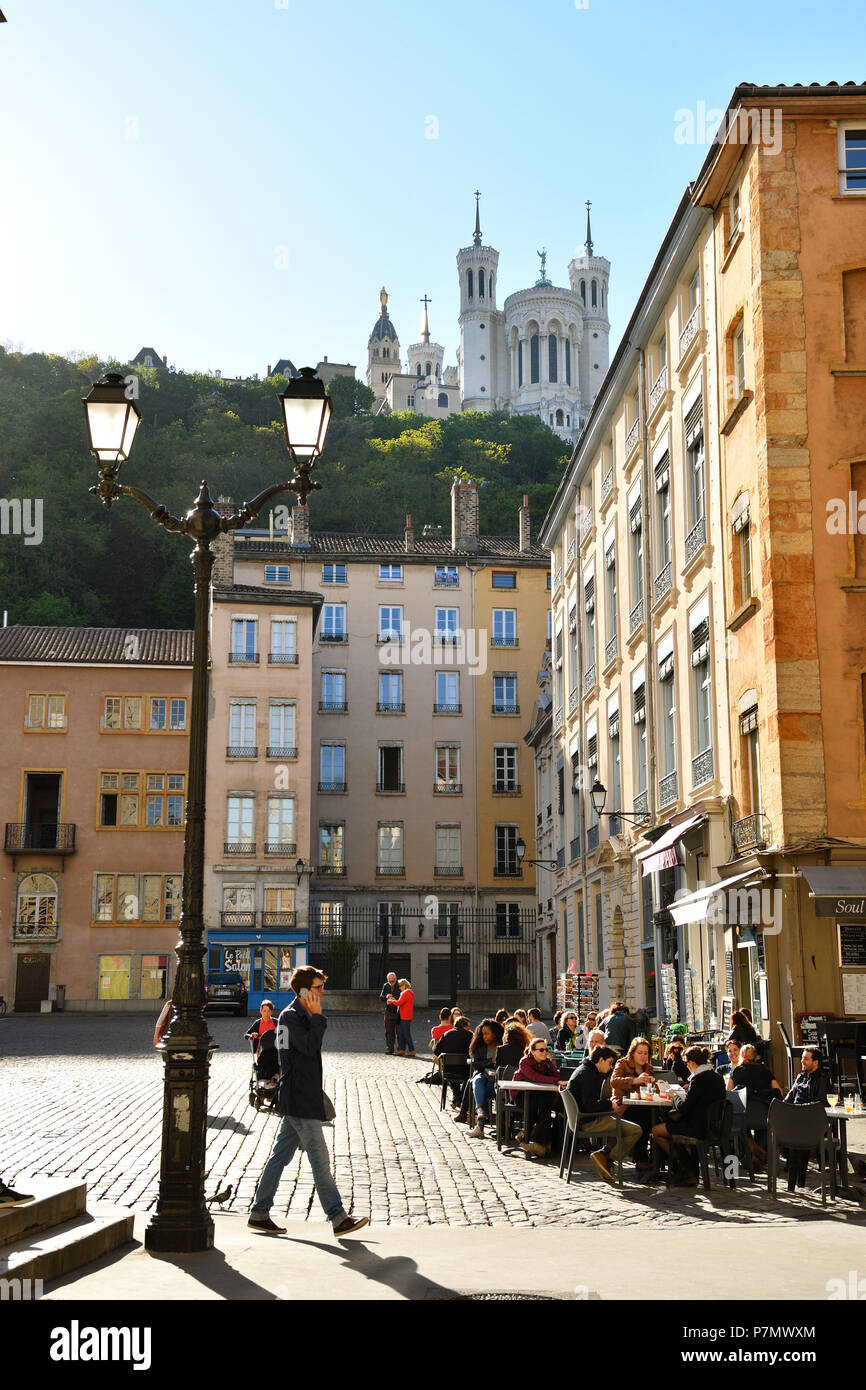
point(807, 1026)
point(852, 943)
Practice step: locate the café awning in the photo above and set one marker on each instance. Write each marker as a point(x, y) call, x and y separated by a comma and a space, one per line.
point(695, 906)
point(663, 854)
point(839, 890)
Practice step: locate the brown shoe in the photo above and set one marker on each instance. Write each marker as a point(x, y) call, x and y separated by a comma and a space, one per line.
point(602, 1165)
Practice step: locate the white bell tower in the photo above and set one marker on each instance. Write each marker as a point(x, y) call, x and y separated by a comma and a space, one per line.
point(478, 268)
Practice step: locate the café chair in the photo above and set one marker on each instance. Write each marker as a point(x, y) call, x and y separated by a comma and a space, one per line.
point(574, 1131)
point(793, 1053)
point(742, 1150)
point(800, 1128)
point(508, 1111)
point(454, 1070)
point(717, 1140)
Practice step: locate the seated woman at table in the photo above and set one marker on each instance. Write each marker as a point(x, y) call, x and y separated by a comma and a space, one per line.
point(761, 1087)
point(538, 1066)
point(675, 1062)
point(513, 1026)
point(729, 1058)
point(742, 1030)
point(689, 1115)
point(568, 1037)
point(513, 1047)
point(590, 1025)
point(630, 1073)
point(486, 1041)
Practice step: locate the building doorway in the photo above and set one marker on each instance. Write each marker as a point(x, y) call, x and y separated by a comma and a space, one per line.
point(31, 985)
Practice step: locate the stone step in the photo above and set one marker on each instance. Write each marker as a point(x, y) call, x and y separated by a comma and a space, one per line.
point(68, 1246)
point(54, 1202)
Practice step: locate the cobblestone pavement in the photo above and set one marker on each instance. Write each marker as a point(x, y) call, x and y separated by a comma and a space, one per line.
point(81, 1096)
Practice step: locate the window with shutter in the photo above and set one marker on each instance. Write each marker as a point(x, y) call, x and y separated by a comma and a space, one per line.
point(749, 720)
point(592, 751)
point(589, 594)
point(666, 668)
point(701, 643)
point(695, 422)
point(635, 516)
point(640, 704)
point(663, 472)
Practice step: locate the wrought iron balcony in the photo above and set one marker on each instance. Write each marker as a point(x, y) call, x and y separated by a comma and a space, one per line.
point(280, 847)
point(635, 617)
point(279, 919)
point(243, 658)
point(509, 788)
point(333, 706)
point(702, 767)
point(443, 788)
point(690, 332)
point(333, 637)
point(447, 709)
point(611, 650)
point(502, 869)
point(448, 870)
point(668, 789)
point(280, 750)
point(332, 786)
point(560, 858)
point(557, 578)
point(449, 581)
point(390, 707)
point(569, 552)
point(331, 869)
point(664, 580)
point(607, 485)
point(753, 832)
point(36, 931)
point(282, 658)
point(574, 849)
point(640, 805)
point(239, 847)
point(242, 750)
point(572, 701)
point(659, 386)
point(587, 522)
point(696, 538)
point(390, 870)
point(498, 708)
point(45, 839)
point(501, 641)
point(390, 786)
point(632, 438)
point(591, 838)
point(589, 678)
point(238, 919)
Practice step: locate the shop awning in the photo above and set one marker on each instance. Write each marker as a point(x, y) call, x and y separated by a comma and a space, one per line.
point(695, 906)
point(839, 890)
point(663, 854)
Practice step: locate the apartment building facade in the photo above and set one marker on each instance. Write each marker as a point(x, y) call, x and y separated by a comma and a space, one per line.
point(93, 781)
point(710, 633)
point(420, 785)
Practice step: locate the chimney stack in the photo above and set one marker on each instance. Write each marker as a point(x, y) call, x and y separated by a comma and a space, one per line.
point(464, 516)
point(224, 548)
point(410, 535)
point(524, 524)
point(269, 369)
point(165, 359)
point(301, 527)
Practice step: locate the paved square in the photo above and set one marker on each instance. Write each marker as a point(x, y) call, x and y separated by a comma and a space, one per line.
point(82, 1097)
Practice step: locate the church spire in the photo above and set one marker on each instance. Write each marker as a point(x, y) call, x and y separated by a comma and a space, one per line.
point(476, 236)
point(588, 242)
point(425, 326)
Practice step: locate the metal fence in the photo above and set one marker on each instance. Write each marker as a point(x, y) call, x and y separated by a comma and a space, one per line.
point(494, 949)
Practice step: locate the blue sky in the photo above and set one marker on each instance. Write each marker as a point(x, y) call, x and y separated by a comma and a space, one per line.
point(231, 181)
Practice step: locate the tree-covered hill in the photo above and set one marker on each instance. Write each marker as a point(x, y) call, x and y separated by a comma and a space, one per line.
point(116, 568)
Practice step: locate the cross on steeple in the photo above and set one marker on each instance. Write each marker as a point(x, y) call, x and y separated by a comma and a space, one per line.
point(588, 242)
point(476, 237)
point(425, 326)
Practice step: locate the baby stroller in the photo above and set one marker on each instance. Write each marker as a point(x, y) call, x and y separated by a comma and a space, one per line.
point(263, 1086)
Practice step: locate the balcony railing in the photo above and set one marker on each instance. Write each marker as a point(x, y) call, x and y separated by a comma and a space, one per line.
point(243, 658)
point(447, 788)
point(332, 786)
point(281, 750)
point(48, 839)
point(589, 678)
point(239, 847)
point(574, 849)
point(390, 870)
point(511, 788)
point(632, 438)
point(390, 786)
point(690, 332)
point(500, 641)
point(448, 870)
point(560, 858)
point(242, 750)
point(36, 931)
point(557, 718)
point(280, 847)
point(448, 581)
point(591, 838)
point(586, 523)
point(279, 919)
point(238, 919)
point(753, 832)
point(333, 637)
point(333, 706)
point(390, 707)
point(668, 789)
point(696, 538)
point(664, 580)
point(611, 650)
point(572, 701)
point(282, 658)
point(659, 386)
point(569, 552)
point(502, 869)
point(702, 767)
point(557, 578)
point(640, 805)
point(447, 709)
point(607, 485)
point(331, 869)
point(497, 708)
point(635, 617)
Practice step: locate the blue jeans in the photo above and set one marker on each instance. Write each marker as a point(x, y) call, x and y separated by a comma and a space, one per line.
point(484, 1091)
point(297, 1133)
point(404, 1036)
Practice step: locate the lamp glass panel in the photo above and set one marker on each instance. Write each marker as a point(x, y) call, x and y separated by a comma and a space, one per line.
point(108, 425)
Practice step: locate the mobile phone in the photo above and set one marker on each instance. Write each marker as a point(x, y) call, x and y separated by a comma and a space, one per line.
point(304, 994)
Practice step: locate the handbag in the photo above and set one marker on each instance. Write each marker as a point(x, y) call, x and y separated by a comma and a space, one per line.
point(328, 1107)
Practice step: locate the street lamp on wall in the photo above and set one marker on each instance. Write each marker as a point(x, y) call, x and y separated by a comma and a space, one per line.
point(181, 1222)
point(520, 851)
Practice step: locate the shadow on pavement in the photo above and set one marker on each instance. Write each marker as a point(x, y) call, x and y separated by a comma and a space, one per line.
point(396, 1272)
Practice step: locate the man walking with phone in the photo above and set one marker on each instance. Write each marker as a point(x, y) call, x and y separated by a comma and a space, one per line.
point(301, 1102)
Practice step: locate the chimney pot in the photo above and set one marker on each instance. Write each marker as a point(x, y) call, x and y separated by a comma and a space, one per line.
point(464, 516)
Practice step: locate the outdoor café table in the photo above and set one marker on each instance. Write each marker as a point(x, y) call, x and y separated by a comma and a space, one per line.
point(839, 1117)
point(525, 1087)
point(656, 1103)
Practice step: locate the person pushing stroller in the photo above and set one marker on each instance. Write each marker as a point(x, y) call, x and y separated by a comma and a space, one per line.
point(263, 1036)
